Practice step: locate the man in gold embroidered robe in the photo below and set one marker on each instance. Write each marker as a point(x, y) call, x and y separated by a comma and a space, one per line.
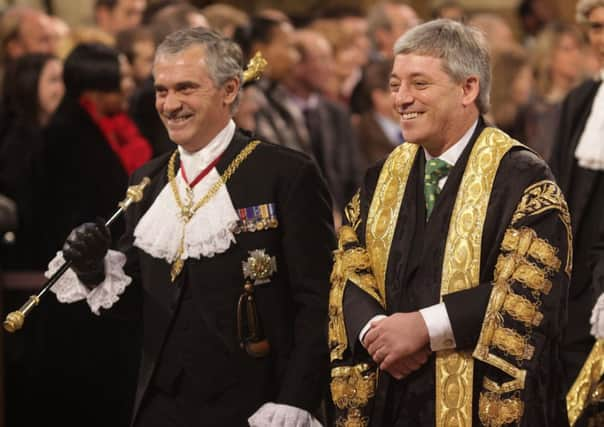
point(449, 284)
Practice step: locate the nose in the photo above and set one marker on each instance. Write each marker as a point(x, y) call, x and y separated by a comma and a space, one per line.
point(171, 102)
point(402, 97)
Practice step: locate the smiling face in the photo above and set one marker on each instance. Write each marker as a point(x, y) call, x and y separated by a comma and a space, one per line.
point(595, 22)
point(434, 110)
point(189, 103)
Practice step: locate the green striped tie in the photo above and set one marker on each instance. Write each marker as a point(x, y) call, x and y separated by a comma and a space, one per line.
point(436, 169)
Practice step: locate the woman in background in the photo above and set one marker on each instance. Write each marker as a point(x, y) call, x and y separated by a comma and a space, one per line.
point(558, 66)
point(33, 88)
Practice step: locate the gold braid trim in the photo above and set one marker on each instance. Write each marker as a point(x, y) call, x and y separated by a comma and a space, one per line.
point(349, 264)
point(385, 207)
point(494, 411)
point(461, 270)
point(587, 387)
point(511, 342)
point(514, 267)
point(541, 197)
point(522, 310)
point(525, 242)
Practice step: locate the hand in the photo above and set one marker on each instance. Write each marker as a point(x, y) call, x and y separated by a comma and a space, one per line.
point(279, 415)
point(392, 340)
point(86, 247)
point(405, 366)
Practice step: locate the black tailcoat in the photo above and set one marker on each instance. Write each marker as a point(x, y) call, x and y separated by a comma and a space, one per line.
point(584, 191)
point(190, 350)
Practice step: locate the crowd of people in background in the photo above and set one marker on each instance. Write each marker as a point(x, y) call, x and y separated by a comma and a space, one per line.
point(77, 112)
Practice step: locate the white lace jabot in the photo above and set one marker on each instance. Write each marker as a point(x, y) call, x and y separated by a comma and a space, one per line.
point(159, 231)
point(590, 150)
point(210, 230)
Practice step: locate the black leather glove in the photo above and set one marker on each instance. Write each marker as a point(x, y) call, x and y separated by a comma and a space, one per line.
point(86, 247)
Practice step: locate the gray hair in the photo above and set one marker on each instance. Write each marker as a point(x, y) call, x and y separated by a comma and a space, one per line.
point(584, 8)
point(464, 52)
point(223, 57)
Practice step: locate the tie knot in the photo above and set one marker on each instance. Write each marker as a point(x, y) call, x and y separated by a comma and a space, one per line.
point(436, 169)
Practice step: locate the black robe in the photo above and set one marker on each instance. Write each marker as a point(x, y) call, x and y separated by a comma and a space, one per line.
point(192, 367)
point(584, 191)
point(413, 280)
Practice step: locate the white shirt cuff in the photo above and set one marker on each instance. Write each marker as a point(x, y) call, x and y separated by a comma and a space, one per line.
point(69, 289)
point(368, 325)
point(439, 327)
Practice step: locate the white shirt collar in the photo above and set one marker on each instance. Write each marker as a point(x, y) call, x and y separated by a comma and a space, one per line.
point(198, 160)
point(454, 152)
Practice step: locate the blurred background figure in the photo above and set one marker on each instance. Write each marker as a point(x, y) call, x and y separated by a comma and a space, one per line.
point(32, 91)
point(377, 125)
point(557, 56)
point(512, 83)
point(324, 126)
point(387, 22)
point(498, 32)
point(23, 30)
point(449, 9)
point(275, 40)
point(534, 15)
point(138, 45)
point(225, 18)
point(578, 163)
point(90, 148)
point(113, 16)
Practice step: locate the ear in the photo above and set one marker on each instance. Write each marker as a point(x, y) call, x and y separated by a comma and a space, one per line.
point(231, 89)
point(14, 49)
point(101, 16)
point(470, 88)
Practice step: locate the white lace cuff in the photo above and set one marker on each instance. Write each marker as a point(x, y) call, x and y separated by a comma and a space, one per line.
point(279, 415)
point(69, 289)
point(597, 318)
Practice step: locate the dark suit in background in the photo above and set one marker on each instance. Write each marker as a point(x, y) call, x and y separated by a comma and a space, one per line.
point(584, 190)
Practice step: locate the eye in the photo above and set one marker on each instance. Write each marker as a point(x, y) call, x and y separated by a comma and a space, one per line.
point(420, 84)
point(160, 92)
point(394, 86)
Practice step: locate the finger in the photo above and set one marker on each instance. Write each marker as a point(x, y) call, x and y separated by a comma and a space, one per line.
point(379, 356)
point(370, 337)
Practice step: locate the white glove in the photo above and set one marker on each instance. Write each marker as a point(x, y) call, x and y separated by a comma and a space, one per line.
point(279, 415)
point(597, 318)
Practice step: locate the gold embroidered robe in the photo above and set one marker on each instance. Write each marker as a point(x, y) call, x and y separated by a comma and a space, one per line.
point(496, 250)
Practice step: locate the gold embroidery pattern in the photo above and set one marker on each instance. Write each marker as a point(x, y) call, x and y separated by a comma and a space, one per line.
point(353, 210)
point(353, 419)
point(541, 197)
point(461, 270)
point(496, 412)
point(513, 267)
point(581, 394)
point(511, 342)
point(522, 310)
point(385, 206)
point(525, 242)
point(351, 388)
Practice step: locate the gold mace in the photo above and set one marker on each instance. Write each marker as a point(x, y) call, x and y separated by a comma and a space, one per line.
point(14, 320)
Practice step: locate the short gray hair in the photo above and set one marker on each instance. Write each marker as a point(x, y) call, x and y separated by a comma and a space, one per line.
point(584, 8)
point(223, 57)
point(464, 52)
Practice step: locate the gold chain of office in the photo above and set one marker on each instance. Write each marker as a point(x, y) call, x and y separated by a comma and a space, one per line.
point(188, 210)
